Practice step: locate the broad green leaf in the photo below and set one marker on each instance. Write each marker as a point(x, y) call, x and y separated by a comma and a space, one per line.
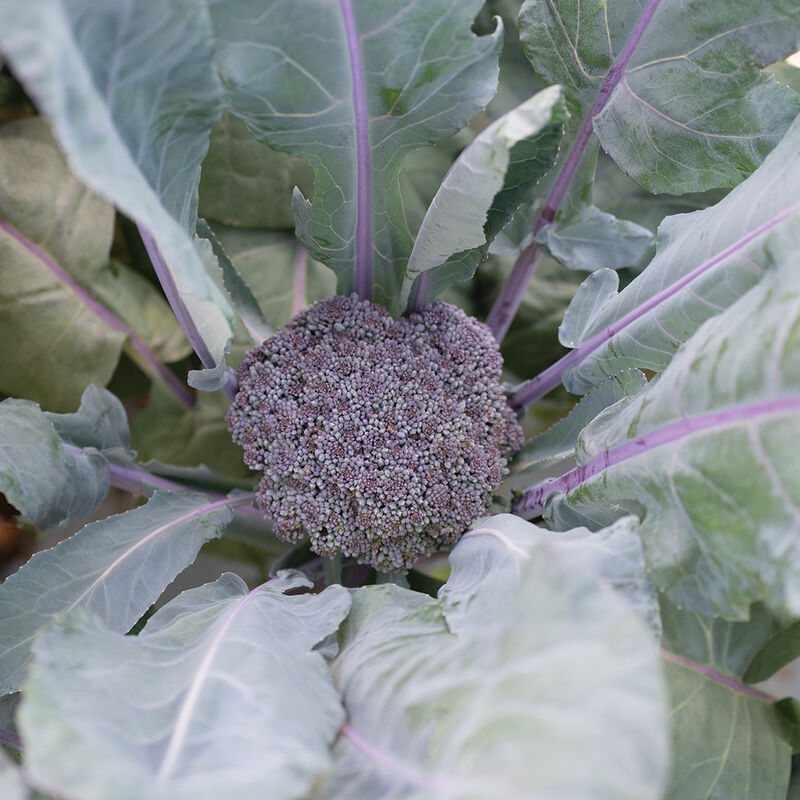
point(708, 452)
point(247, 185)
point(704, 261)
point(45, 484)
point(313, 79)
point(68, 310)
point(494, 175)
point(116, 568)
point(59, 345)
point(726, 744)
point(524, 661)
point(728, 738)
point(695, 109)
point(283, 277)
point(221, 695)
point(692, 109)
point(131, 93)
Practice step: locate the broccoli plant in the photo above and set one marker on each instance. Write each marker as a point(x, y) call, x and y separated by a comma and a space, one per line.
point(399, 399)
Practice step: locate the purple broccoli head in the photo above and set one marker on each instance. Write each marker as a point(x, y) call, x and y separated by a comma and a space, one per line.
point(379, 438)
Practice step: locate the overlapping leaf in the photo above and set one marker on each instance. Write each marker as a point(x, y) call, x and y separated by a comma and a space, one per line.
point(130, 90)
point(67, 309)
point(728, 739)
point(704, 262)
point(707, 453)
point(485, 186)
point(314, 79)
point(693, 108)
point(220, 695)
point(492, 690)
point(116, 568)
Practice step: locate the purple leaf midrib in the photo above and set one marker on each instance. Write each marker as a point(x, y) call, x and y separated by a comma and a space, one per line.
point(181, 392)
point(533, 499)
point(507, 303)
point(551, 377)
point(363, 254)
point(719, 677)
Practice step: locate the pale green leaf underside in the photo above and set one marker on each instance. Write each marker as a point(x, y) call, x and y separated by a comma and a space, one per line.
point(130, 90)
point(710, 456)
point(486, 692)
point(291, 73)
point(221, 695)
point(116, 568)
point(729, 244)
point(488, 182)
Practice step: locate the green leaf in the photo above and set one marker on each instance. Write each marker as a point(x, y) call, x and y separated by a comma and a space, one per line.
point(488, 182)
point(726, 745)
point(220, 695)
point(587, 238)
point(696, 108)
point(777, 652)
point(248, 185)
point(116, 568)
point(59, 345)
point(67, 309)
point(729, 740)
point(704, 261)
point(100, 422)
point(130, 90)
point(45, 484)
point(692, 109)
point(707, 451)
point(315, 81)
point(524, 661)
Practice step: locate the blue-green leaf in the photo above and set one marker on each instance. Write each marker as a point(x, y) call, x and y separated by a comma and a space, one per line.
point(221, 695)
point(352, 87)
point(116, 568)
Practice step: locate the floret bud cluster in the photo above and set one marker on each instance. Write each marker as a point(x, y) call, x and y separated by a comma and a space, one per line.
point(378, 438)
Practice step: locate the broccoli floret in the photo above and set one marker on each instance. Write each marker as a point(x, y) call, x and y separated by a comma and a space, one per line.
point(379, 438)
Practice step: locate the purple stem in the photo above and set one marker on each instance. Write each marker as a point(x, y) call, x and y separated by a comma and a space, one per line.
point(511, 294)
point(181, 391)
point(136, 481)
point(300, 281)
point(546, 381)
point(421, 287)
point(363, 277)
point(714, 675)
point(9, 738)
point(530, 505)
point(179, 307)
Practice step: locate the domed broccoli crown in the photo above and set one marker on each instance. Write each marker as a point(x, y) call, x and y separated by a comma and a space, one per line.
point(379, 438)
